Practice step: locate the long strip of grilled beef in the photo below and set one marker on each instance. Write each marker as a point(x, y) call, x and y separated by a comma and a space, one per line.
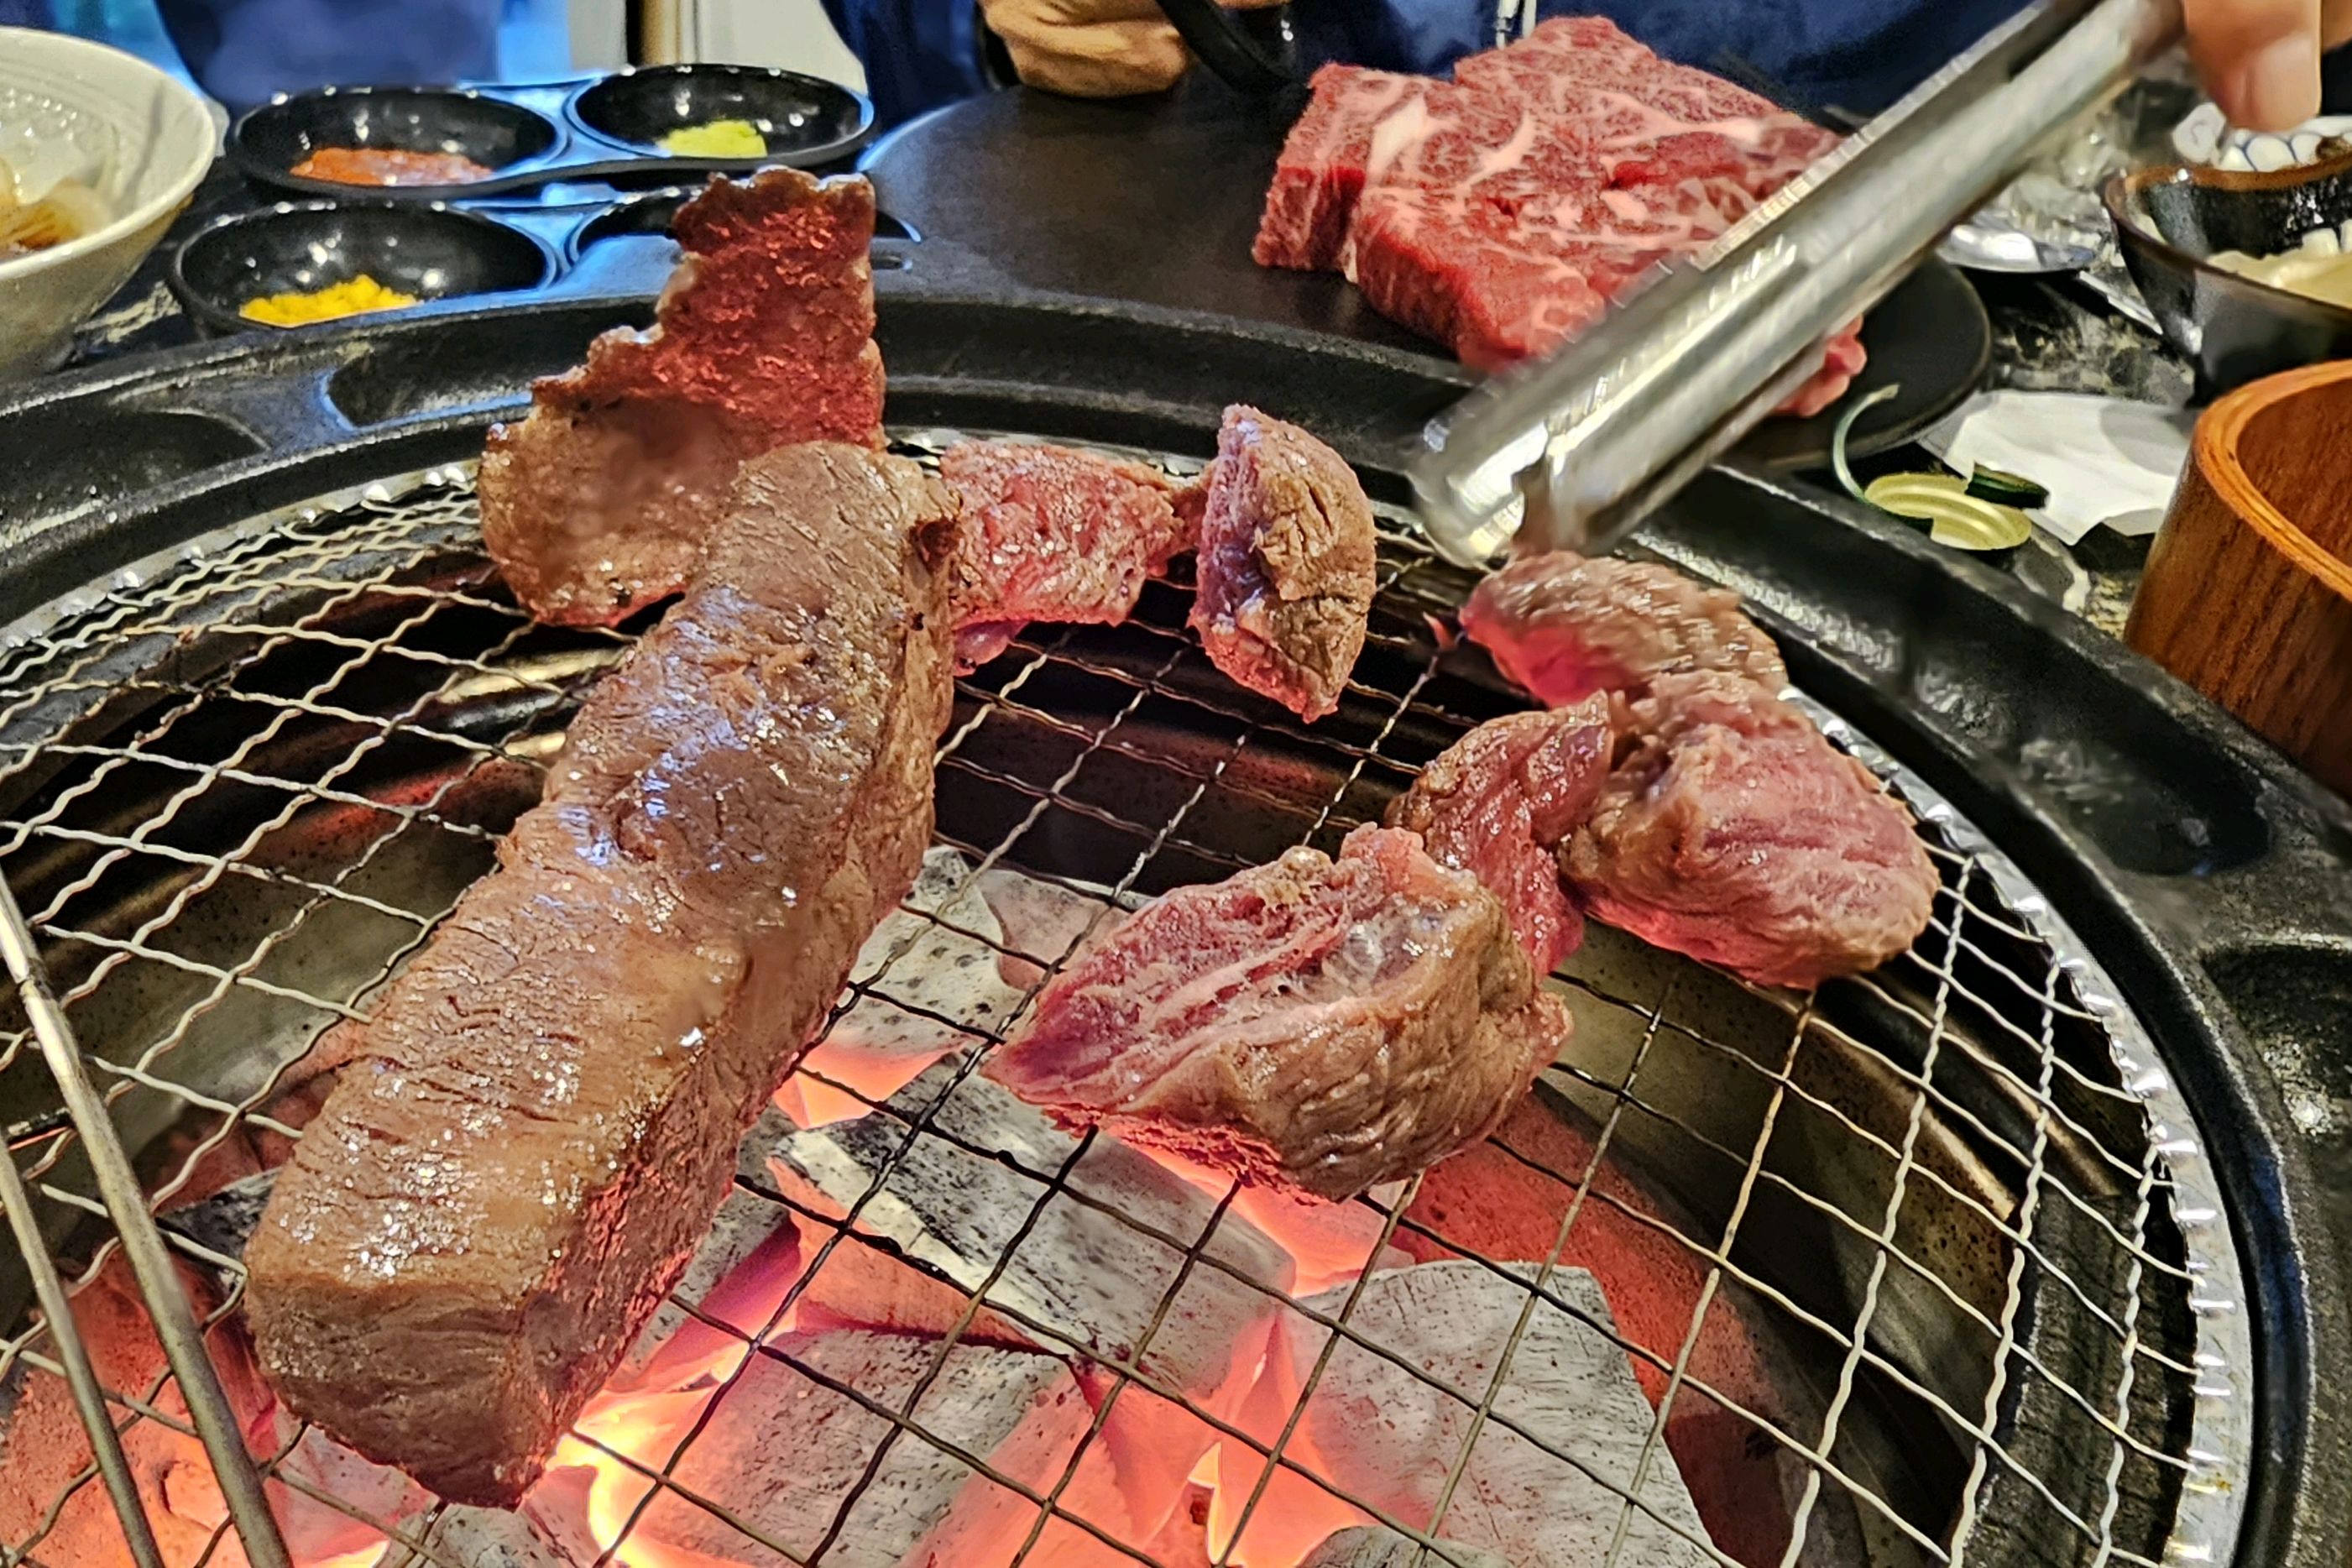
point(597, 503)
point(546, 1107)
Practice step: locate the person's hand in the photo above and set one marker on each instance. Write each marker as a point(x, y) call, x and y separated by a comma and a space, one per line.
point(1092, 48)
point(2259, 58)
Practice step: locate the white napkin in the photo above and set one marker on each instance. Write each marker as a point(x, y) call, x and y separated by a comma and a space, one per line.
point(2103, 460)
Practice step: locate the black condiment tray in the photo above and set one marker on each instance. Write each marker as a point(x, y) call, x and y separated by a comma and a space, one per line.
point(604, 127)
point(441, 250)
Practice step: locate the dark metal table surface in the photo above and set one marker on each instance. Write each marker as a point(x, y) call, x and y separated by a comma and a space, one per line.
point(2049, 334)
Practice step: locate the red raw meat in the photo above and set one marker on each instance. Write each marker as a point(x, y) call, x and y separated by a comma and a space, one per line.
point(1287, 563)
point(1501, 212)
point(1323, 164)
point(1327, 1024)
point(1564, 625)
point(1647, 120)
point(1499, 801)
point(1052, 533)
point(1737, 834)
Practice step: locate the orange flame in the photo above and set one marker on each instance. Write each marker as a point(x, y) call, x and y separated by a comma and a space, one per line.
point(870, 1076)
point(1331, 1243)
point(589, 1495)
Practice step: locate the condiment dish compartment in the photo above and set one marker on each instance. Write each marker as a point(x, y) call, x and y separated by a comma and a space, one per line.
point(427, 250)
point(436, 250)
point(801, 118)
point(605, 128)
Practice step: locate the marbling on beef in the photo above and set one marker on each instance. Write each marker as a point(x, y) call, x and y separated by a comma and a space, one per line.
point(1501, 801)
point(1287, 567)
point(1053, 533)
point(1325, 1024)
point(597, 503)
point(1734, 833)
point(1501, 212)
point(546, 1106)
point(1565, 626)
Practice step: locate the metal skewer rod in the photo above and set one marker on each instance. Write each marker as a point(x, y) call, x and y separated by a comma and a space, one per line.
point(1571, 453)
point(81, 1377)
point(143, 1247)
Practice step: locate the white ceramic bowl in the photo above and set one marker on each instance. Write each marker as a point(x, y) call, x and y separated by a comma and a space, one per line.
point(140, 138)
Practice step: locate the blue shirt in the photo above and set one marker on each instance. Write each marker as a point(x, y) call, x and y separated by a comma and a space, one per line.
point(1825, 57)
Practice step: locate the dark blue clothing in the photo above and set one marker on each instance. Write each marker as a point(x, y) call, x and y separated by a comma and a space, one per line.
point(244, 50)
point(1828, 56)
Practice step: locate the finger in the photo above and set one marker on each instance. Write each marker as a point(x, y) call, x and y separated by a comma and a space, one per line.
point(1103, 60)
point(2259, 58)
point(1250, 5)
point(2336, 24)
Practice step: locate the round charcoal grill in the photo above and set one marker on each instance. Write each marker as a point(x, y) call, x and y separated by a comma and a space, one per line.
point(1962, 1210)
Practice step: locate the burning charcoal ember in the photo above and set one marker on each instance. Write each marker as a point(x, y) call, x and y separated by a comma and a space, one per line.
point(42, 1448)
point(786, 1455)
point(1507, 1199)
point(1565, 626)
point(1287, 563)
point(1321, 1024)
point(1043, 922)
point(1053, 533)
point(1093, 1280)
point(1097, 1277)
point(750, 1232)
point(223, 1222)
point(482, 1538)
point(934, 987)
point(1328, 1243)
point(1390, 1436)
point(1499, 801)
point(1377, 1546)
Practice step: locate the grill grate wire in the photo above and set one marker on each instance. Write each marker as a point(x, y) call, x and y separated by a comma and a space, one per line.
point(197, 647)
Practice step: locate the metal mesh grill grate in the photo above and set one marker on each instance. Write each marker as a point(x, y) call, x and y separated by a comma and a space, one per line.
point(1956, 1199)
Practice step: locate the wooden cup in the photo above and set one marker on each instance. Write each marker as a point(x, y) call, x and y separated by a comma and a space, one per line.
point(2248, 595)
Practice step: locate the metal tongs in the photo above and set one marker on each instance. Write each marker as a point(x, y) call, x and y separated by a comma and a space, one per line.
point(1574, 452)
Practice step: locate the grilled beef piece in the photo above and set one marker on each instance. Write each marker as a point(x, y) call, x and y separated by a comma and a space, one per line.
point(597, 503)
point(1287, 564)
point(1734, 833)
point(546, 1108)
point(1053, 533)
point(1325, 1024)
point(1564, 627)
point(1499, 801)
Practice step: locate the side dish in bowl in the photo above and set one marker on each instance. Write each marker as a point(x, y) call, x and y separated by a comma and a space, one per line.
point(101, 152)
point(2243, 270)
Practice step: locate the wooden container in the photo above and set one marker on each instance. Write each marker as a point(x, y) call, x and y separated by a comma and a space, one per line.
point(2248, 595)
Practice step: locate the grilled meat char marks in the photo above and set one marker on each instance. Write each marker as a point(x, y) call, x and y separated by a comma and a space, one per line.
point(1324, 1023)
point(1499, 213)
point(1053, 533)
point(1734, 832)
point(546, 1104)
point(597, 503)
point(1286, 568)
point(1499, 801)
